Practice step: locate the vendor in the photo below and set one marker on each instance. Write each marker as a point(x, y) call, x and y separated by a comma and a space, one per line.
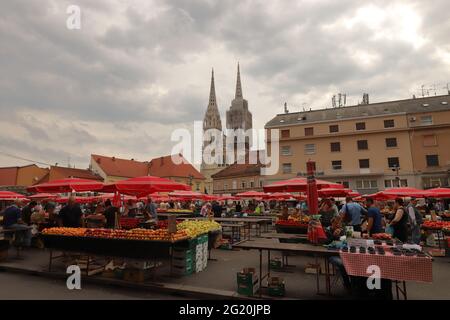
point(206, 210)
point(110, 214)
point(130, 209)
point(328, 210)
point(70, 214)
point(150, 210)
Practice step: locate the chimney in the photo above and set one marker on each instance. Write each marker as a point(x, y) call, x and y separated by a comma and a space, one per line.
point(113, 158)
point(132, 159)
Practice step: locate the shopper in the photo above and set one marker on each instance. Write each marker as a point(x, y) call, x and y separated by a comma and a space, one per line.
point(415, 220)
point(328, 211)
point(12, 219)
point(352, 213)
point(27, 211)
point(374, 218)
point(400, 221)
point(150, 210)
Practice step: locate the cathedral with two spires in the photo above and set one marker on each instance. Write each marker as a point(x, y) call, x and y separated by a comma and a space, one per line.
point(237, 117)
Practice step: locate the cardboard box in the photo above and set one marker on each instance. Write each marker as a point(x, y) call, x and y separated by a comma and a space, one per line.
point(135, 275)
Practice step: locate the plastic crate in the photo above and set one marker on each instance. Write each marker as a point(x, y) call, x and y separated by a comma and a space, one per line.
point(183, 262)
point(183, 253)
point(275, 263)
point(275, 286)
point(182, 271)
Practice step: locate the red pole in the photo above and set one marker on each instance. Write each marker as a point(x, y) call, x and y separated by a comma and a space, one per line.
point(311, 191)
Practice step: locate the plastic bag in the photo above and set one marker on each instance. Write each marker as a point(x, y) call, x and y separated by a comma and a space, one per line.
point(390, 230)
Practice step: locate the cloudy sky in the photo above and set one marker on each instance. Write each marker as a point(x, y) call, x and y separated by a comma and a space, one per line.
point(139, 69)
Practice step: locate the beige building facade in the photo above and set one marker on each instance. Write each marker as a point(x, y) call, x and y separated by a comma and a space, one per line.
point(368, 147)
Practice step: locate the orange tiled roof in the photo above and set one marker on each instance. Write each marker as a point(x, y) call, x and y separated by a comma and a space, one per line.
point(8, 176)
point(63, 172)
point(113, 166)
point(239, 170)
point(164, 167)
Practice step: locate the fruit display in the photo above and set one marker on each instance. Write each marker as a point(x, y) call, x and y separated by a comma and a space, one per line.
point(436, 225)
point(197, 227)
point(129, 223)
point(300, 218)
point(134, 234)
point(381, 236)
point(164, 224)
point(293, 223)
point(174, 210)
point(63, 231)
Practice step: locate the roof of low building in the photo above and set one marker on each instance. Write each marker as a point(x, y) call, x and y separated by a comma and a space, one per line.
point(239, 170)
point(415, 105)
point(64, 172)
point(118, 167)
point(8, 176)
point(165, 167)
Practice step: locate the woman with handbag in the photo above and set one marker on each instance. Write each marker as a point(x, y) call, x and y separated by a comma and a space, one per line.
point(400, 221)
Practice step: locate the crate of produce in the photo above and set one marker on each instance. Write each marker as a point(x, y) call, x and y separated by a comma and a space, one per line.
point(276, 287)
point(247, 282)
point(135, 275)
point(275, 263)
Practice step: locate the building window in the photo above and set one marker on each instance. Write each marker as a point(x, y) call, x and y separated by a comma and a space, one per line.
point(310, 148)
point(366, 184)
point(393, 162)
point(346, 184)
point(429, 140)
point(287, 168)
point(285, 133)
point(336, 164)
point(309, 131)
point(362, 145)
point(432, 160)
point(252, 184)
point(435, 182)
point(360, 126)
point(395, 183)
point(243, 184)
point(234, 184)
point(426, 120)
point(334, 128)
point(286, 150)
point(197, 186)
point(260, 183)
point(225, 186)
point(335, 146)
point(389, 123)
point(391, 142)
point(364, 163)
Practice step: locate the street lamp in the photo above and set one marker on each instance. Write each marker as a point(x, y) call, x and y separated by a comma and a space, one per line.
point(396, 169)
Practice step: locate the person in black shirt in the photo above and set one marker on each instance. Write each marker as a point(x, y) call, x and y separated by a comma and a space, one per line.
point(70, 215)
point(27, 212)
point(238, 207)
point(110, 214)
point(217, 209)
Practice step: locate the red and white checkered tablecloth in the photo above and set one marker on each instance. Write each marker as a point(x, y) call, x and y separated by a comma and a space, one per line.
point(400, 268)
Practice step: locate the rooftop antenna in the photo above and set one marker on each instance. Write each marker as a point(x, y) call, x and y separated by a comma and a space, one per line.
point(434, 88)
point(345, 99)
point(447, 87)
point(339, 99)
point(285, 108)
point(423, 91)
point(333, 101)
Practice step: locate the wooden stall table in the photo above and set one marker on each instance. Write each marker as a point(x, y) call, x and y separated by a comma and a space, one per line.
point(297, 248)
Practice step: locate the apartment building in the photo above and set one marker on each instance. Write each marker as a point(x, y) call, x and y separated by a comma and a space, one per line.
point(368, 147)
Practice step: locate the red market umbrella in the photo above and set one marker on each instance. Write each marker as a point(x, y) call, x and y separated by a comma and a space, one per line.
point(209, 197)
point(43, 196)
point(438, 193)
point(144, 185)
point(298, 185)
point(251, 194)
point(9, 195)
point(110, 196)
point(279, 195)
point(354, 194)
point(404, 192)
point(380, 196)
point(67, 185)
point(77, 199)
point(334, 192)
point(226, 198)
point(187, 194)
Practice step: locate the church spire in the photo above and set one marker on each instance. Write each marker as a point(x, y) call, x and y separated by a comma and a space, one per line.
point(212, 91)
point(238, 84)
